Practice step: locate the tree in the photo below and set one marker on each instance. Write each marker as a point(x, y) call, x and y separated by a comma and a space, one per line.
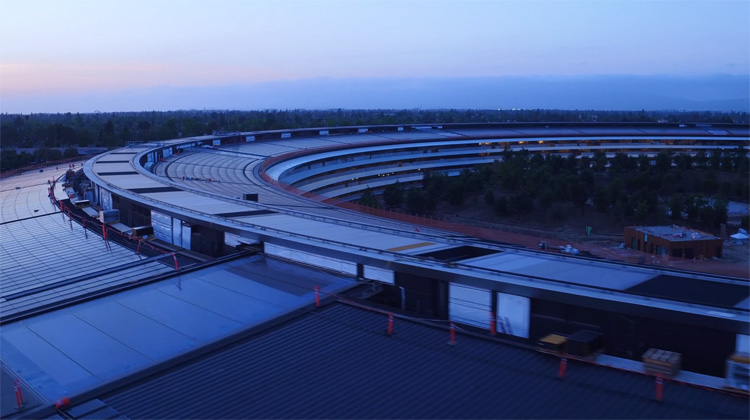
point(489, 197)
point(509, 174)
point(416, 201)
point(555, 163)
point(368, 199)
point(700, 159)
point(644, 162)
point(9, 159)
point(578, 194)
point(555, 213)
point(455, 192)
point(434, 179)
point(585, 162)
point(600, 161)
point(741, 163)
point(725, 191)
point(125, 135)
point(710, 184)
point(44, 154)
point(84, 137)
point(430, 204)
point(693, 206)
point(168, 130)
point(663, 162)
point(628, 207)
point(641, 211)
point(521, 203)
point(720, 213)
point(191, 127)
point(107, 135)
point(587, 177)
point(571, 162)
point(432, 195)
point(538, 160)
point(727, 162)
point(109, 128)
point(10, 136)
point(740, 189)
point(70, 152)
point(684, 161)
point(706, 215)
point(562, 187)
point(676, 204)
point(546, 197)
point(500, 206)
point(715, 159)
point(661, 214)
point(622, 163)
point(393, 195)
point(601, 201)
point(668, 183)
point(524, 158)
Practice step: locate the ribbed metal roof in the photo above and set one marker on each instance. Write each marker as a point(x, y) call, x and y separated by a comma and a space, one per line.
point(338, 362)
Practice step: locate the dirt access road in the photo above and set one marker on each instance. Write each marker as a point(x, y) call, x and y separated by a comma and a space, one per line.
point(604, 241)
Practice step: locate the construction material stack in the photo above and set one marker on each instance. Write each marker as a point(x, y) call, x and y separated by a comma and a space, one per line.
point(662, 362)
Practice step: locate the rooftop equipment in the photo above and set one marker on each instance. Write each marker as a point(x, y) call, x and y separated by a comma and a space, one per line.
point(738, 373)
point(584, 343)
point(142, 231)
point(109, 216)
point(81, 203)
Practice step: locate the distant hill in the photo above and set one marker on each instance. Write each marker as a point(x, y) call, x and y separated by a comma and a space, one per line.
point(696, 93)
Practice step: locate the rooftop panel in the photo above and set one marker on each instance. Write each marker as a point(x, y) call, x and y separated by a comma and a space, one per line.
point(43, 252)
point(337, 362)
point(70, 350)
point(118, 173)
point(150, 190)
point(113, 167)
point(129, 182)
point(27, 201)
point(560, 268)
point(197, 202)
point(381, 240)
point(694, 290)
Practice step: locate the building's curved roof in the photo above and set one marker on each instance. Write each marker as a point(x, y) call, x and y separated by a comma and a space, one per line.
point(196, 181)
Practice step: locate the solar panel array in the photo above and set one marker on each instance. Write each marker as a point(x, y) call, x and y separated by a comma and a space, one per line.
point(46, 259)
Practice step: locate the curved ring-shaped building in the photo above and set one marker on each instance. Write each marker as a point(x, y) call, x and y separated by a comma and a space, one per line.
point(273, 190)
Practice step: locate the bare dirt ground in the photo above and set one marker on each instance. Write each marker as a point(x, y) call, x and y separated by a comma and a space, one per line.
point(604, 241)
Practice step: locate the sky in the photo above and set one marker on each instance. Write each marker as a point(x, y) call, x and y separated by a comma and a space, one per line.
point(110, 55)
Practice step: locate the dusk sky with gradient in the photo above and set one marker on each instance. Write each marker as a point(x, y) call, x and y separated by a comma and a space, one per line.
point(81, 56)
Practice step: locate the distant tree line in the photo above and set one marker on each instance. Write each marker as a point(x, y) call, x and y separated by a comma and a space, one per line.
point(111, 130)
point(669, 188)
point(674, 187)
